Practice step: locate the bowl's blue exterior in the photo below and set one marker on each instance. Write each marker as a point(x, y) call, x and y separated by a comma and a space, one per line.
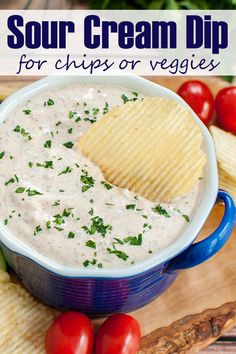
point(94, 296)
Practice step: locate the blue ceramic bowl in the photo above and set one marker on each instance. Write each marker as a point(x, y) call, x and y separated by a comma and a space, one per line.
point(103, 291)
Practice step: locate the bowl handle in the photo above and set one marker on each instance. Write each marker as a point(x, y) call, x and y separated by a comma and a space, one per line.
point(199, 252)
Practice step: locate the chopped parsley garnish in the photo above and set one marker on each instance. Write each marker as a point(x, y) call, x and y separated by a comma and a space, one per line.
point(146, 227)
point(31, 192)
point(30, 164)
point(20, 190)
point(69, 145)
point(58, 228)
point(109, 204)
point(37, 230)
point(71, 234)
point(48, 144)
point(27, 111)
point(133, 240)
point(91, 244)
point(158, 209)
point(91, 201)
point(186, 217)
point(5, 221)
point(98, 226)
point(91, 211)
point(87, 262)
point(70, 130)
point(47, 164)
point(87, 181)
point(57, 202)
point(22, 131)
point(2, 154)
point(12, 180)
point(126, 99)
point(49, 102)
point(130, 206)
point(100, 265)
point(58, 219)
point(119, 254)
point(150, 252)
point(106, 108)
point(106, 185)
point(48, 224)
point(66, 212)
point(68, 169)
point(74, 115)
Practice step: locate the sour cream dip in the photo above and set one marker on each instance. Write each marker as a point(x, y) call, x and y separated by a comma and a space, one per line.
point(57, 202)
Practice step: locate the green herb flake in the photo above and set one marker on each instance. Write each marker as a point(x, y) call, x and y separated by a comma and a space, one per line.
point(125, 98)
point(69, 145)
point(87, 181)
point(11, 180)
point(71, 234)
point(160, 210)
point(2, 154)
point(49, 102)
point(186, 217)
point(5, 221)
point(98, 226)
point(48, 224)
point(68, 169)
point(46, 164)
point(70, 130)
point(105, 108)
point(130, 206)
point(30, 164)
point(37, 230)
point(86, 263)
point(58, 228)
point(100, 265)
point(48, 144)
point(57, 202)
point(27, 111)
point(119, 254)
point(133, 240)
point(22, 131)
point(91, 211)
point(91, 244)
point(33, 192)
point(20, 190)
point(106, 185)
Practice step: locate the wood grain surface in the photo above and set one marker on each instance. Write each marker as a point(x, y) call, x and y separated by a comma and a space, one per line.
point(201, 304)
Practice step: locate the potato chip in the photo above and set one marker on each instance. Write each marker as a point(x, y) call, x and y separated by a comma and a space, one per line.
point(151, 146)
point(23, 320)
point(225, 144)
point(227, 182)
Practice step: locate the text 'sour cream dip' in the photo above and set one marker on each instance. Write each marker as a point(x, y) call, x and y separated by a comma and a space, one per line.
point(58, 203)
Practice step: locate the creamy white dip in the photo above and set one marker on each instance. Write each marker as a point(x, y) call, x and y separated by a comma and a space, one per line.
point(57, 201)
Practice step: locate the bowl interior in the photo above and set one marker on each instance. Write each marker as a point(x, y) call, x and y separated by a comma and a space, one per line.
point(191, 231)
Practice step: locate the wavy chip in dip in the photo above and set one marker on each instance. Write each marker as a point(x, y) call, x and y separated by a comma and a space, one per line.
point(57, 201)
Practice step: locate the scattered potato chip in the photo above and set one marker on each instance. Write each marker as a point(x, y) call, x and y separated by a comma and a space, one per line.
point(225, 144)
point(151, 146)
point(227, 183)
point(23, 320)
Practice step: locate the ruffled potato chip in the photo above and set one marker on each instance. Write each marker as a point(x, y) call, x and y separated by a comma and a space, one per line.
point(151, 146)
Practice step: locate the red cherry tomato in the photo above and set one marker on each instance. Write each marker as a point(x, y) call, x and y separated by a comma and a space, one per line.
point(119, 334)
point(225, 105)
point(70, 333)
point(199, 98)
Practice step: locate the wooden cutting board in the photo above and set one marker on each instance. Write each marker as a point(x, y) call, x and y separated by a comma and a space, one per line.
point(201, 305)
